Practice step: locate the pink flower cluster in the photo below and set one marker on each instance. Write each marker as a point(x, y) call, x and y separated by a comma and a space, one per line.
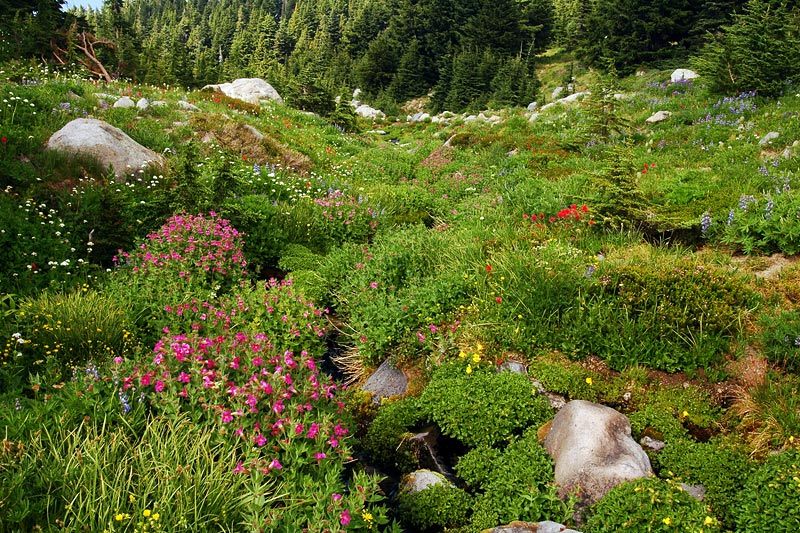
point(193, 244)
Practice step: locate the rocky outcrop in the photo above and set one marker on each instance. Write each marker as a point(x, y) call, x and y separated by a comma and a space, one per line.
point(109, 145)
point(592, 448)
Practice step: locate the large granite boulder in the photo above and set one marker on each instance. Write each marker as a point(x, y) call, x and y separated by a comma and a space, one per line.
point(592, 447)
point(250, 90)
point(109, 145)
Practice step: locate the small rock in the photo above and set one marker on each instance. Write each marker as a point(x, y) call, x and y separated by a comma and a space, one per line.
point(659, 116)
point(653, 444)
point(532, 106)
point(386, 381)
point(768, 138)
point(158, 103)
point(125, 101)
point(250, 90)
point(698, 492)
point(369, 112)
point(142, 104)
point(420, 480)
point(531, 527)
point(556, 93)
point(512, 366)
point(183, 104)
point(533, 117)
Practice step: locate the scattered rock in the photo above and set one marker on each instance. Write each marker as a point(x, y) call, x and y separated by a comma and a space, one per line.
point(698, 492)
point(659, 116)
point(533, 117)
point(183, 104)
point(654, 444)
point(158, 103)
point(512, 366)
point(109, 145)
point(250, 90)
point(683, 74)
point(125, 101)
point(386, 381)
point(256, 134)
point(768, 138)
point(592, 447)
point(531, 527)
point(556, 93)
point(574, 97)
point(425, 445)
point(532, 106)
point(418, 117)
point(356, 93)
point(420, 480)
point(142, 104)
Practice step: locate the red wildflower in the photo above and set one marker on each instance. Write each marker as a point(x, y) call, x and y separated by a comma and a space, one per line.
point(585, 209)
point(488, 268)
point(498, 299)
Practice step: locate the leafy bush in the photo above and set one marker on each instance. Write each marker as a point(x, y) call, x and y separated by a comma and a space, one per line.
point(649, 505)
point(441, 506)
point(766, 224)
point(384, 438)
point(673, 317)
point(479, 406)
point(721, 469)
point(780, 336)
point(513, 484)
point(768, 501)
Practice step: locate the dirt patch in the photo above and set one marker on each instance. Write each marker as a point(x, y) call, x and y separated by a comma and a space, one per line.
point(749, 371)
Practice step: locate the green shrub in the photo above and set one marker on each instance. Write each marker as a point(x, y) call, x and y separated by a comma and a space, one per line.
point(766, 224)
point(440, 507)
point(513, 484)
point(770, 412)
point(479, 406)
point(673, 316)
point(768, 501)
point(780, 337)
point(722, 469)
point(649, 505)
point(385, 436)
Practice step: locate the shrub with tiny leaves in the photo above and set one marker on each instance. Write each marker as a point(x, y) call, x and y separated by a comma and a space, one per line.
point(768, 501)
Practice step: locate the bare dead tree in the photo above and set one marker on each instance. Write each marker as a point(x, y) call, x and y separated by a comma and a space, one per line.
point(85, 42)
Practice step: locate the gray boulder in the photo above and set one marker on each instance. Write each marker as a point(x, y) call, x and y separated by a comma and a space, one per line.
point(186, 106)
point(659, 116)
point(142, 104)
point(532, 106)
point(386, 381)
point(683, 74)
point(125, 101)
point(250, 90)
point(109, 145)
point(556, 93)
point(592, 447)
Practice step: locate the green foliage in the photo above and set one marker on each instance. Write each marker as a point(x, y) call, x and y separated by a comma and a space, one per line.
point(766, 224)
point(780, 336)
point(649, 505)
point(759, 51)
point(441, 506)
point(60, 332)
point(770, 411)
point(516, 483)
point(687, 312)
point(479, 406)
point(384, 440)
point(768, 500)
point(722, 469)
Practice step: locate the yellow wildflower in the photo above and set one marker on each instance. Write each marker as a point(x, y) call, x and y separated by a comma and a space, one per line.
point(589, 381)
point(146, 513)
point(118, 517)
point(709, 521)
point(667, 521)
point(476, 358)
point(469, 369)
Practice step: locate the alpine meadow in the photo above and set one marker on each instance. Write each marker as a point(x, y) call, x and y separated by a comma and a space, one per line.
point(416, 266)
